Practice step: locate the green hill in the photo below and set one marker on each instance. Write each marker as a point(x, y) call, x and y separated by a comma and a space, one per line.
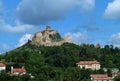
point(58, 63)
point(48, 57)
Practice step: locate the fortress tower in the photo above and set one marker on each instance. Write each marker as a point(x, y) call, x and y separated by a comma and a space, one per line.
point(48, 28)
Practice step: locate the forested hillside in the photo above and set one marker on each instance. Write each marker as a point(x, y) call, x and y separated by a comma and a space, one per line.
point(58, 63)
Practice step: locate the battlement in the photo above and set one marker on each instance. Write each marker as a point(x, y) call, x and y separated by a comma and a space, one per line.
point(48, 28)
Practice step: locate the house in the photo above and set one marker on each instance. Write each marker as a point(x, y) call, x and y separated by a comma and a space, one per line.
point(2, 66)
point(115, 74)
point(100, 77)
point(94, 65)
point(18, 71)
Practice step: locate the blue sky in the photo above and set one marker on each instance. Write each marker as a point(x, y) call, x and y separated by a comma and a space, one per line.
point(86, 21)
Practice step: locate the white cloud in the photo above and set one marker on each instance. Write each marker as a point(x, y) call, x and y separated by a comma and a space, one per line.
point(113, 10)
point(19, 28)
point(4, 47)
point(24, 39)
point(115, 39)
point(44, 11)
point(79, 37)
point(87, 4)
point(1, 7)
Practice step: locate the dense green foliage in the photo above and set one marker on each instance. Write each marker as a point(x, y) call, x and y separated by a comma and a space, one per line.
point(58, 63)
point(117, 78)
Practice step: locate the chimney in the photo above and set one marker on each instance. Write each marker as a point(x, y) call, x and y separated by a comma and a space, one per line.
point(11, 69)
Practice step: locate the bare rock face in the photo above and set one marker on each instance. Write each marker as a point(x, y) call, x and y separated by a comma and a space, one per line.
point(49, 37)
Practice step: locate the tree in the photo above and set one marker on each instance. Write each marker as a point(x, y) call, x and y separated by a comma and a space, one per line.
point(117, 78)
point(4, 76)
point(109, 72)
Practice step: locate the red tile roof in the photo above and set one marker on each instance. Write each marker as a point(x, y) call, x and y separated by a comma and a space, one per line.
point(87, 62)
point(20, 70)
point(2, 65)
point(100, 77)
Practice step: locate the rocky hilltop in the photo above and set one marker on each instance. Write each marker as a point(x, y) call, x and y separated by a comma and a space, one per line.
point(49, 37)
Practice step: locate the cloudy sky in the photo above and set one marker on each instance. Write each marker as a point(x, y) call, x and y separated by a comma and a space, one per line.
point(86, 21)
